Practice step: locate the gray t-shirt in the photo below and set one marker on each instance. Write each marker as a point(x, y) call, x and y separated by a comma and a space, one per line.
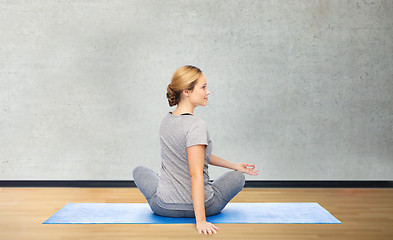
point(177, 132)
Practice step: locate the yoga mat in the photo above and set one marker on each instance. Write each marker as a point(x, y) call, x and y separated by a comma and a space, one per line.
point(141, 213)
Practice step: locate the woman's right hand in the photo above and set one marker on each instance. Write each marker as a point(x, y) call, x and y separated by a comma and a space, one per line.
point(206, 227)
point(243, 167)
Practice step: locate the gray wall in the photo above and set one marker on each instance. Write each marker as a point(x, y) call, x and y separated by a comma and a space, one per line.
point(302, 89)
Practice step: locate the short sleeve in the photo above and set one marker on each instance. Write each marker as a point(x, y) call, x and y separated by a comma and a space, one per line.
point(196, 134)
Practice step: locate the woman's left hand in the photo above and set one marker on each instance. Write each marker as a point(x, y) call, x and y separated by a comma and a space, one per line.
point(243, 167)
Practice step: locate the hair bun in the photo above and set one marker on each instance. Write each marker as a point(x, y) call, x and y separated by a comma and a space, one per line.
point(171, 96)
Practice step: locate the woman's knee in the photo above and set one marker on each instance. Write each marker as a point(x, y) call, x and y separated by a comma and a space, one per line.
point(138, 170)
point(229, 185)
point(240, 178)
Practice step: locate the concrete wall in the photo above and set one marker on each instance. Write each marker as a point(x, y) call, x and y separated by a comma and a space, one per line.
point(302, 89)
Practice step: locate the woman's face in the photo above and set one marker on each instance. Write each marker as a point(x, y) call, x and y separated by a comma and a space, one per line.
point(200, 93)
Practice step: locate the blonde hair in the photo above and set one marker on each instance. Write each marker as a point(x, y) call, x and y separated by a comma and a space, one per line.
point(185, 77)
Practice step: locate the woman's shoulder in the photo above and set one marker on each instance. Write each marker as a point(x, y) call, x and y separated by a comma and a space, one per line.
point(194, 124)
point(186, 121)
point(194, 120)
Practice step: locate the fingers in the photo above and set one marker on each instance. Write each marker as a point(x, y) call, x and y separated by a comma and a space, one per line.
point(251, 172)
point(251, 165)
point(250, 168)
point(208, 231)
point(212, 229)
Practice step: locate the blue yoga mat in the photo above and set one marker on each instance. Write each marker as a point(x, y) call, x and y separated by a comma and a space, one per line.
point(141, 213)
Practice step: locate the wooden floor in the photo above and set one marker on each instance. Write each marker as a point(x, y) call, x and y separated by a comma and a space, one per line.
point(364, 213)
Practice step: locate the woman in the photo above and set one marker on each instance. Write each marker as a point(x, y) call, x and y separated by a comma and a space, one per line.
point(183, 189)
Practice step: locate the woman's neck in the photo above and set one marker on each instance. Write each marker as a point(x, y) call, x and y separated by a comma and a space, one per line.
point(183, 109)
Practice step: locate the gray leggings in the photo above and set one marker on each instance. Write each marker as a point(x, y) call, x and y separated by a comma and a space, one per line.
point(225, 188)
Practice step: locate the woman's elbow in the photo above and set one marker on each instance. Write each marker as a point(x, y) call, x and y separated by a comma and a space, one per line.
point(196, 175)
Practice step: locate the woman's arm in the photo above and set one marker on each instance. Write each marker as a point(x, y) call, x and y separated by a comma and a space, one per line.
point(217, 161)
point(240, 167)
point(198, 197)
point(196, 156)
point(196, 162)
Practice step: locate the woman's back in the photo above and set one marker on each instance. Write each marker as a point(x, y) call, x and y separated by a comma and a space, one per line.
point(177, 132)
